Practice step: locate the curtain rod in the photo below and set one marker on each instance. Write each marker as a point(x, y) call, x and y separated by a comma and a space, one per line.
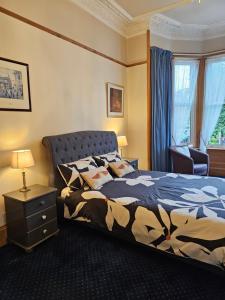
point(199, 55)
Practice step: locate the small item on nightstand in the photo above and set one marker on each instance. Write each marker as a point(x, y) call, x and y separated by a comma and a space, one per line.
point(122, 142)
point(22, 159)
point(31, 216)
point(132, 161)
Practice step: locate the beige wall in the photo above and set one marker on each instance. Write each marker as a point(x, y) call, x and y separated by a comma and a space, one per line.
point(68, 19)
point(136, 49)
point(137, 100)
point(67, 89)
point(137, 113)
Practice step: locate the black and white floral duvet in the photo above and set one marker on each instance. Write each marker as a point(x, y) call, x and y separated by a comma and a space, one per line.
point(180, 214)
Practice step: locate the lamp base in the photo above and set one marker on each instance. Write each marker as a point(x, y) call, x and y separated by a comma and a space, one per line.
point(24, 190)
point(121, 153)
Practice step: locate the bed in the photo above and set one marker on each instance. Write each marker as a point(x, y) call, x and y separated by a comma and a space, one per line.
point(181, 215)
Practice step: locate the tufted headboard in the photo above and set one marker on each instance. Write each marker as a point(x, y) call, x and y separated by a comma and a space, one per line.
point(69, 147)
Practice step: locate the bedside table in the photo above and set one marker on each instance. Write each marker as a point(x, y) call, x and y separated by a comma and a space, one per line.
point(132, 161)
point(31, 216)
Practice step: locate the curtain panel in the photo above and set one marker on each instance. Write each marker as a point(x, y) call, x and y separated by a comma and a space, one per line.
point(161, 95)
point(214, 97)
point(185, 74)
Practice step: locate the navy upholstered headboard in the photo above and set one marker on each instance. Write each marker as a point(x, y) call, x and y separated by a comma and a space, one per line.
point(69, 147)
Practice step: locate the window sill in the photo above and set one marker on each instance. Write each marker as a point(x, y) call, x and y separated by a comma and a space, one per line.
point(216, 147)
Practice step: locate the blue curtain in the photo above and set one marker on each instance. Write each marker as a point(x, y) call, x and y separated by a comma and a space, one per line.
point(161, 88)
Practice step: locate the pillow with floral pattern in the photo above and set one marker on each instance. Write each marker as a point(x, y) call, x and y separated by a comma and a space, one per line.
point(70, 172)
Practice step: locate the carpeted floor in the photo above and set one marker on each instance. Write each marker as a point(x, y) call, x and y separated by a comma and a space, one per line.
point(82, 264)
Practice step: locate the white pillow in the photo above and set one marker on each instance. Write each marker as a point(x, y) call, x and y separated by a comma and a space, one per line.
point(121, 168)
point(97, 177)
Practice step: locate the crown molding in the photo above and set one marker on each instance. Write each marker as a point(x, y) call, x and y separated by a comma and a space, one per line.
point(108, 12)
point(168, 28)
point(115, 17)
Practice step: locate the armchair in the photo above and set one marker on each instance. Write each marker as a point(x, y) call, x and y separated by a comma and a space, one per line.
point(187, 160)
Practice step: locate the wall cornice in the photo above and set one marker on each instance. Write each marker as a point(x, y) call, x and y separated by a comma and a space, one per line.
point(114, 16)
point(171, 29)
point(108, 12)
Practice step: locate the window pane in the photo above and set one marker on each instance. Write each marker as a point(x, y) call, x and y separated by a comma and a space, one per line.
point(184, 92)
point(213, 124)
point(218, 136)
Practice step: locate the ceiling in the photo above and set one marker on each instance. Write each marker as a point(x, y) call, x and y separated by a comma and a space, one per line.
point(208, 12)
point(140, 7)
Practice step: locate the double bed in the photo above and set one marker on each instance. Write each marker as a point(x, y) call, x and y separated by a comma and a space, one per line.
point(183, 215)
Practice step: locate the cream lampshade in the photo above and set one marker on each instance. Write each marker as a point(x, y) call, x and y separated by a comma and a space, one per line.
point(122, 142)
point(22, 159)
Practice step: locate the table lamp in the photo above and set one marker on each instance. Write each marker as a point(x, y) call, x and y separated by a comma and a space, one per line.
point(22, 159)
point(122, 142)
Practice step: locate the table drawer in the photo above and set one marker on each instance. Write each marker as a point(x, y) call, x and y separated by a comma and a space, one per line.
point(41, 218)
point(41, 233)
point(39, 204)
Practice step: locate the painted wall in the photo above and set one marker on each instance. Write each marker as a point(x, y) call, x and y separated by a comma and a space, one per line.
point(67, 18)
point(136, 49)
point(68, 89)
point(176, 45)
point(214, 44)
point(137, 113)
point(137, 100)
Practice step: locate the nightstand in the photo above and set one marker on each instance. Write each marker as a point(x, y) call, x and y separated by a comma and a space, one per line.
point(31, 216)
point(132, 161)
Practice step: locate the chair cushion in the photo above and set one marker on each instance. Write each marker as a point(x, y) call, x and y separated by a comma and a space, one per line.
point(200, 169)
point(183, 150)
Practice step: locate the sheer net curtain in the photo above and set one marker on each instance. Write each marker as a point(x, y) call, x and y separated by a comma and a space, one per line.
point(214, 97)
point(185, 74)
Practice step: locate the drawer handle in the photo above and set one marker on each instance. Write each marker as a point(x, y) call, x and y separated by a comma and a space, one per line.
point(45, 231)
point(44, 217)
point(42, 202)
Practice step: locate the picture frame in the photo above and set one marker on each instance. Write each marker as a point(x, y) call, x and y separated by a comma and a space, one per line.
point(14, 86)
point(115, 100)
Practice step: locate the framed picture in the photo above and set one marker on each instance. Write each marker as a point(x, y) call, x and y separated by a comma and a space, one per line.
point(14, 85)
point(115, 101)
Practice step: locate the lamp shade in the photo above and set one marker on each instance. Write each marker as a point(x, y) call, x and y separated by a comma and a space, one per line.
point(122, 141)
point(22, 159)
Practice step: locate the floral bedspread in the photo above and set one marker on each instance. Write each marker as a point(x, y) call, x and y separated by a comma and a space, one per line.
point(180, 214)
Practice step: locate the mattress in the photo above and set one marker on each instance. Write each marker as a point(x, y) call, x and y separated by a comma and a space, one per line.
point(183, 215)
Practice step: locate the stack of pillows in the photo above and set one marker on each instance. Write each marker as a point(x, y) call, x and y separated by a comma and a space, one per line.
point(95, 171)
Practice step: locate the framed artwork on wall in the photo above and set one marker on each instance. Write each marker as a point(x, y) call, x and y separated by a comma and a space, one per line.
point(14, 85)
point(115, 101)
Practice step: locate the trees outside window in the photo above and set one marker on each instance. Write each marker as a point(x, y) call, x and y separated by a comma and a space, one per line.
point(218, 136)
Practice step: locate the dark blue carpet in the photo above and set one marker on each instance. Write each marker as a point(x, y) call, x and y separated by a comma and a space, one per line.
point(82, 264)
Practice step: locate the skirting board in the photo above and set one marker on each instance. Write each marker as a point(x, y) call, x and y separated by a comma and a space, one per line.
point(3, 236)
